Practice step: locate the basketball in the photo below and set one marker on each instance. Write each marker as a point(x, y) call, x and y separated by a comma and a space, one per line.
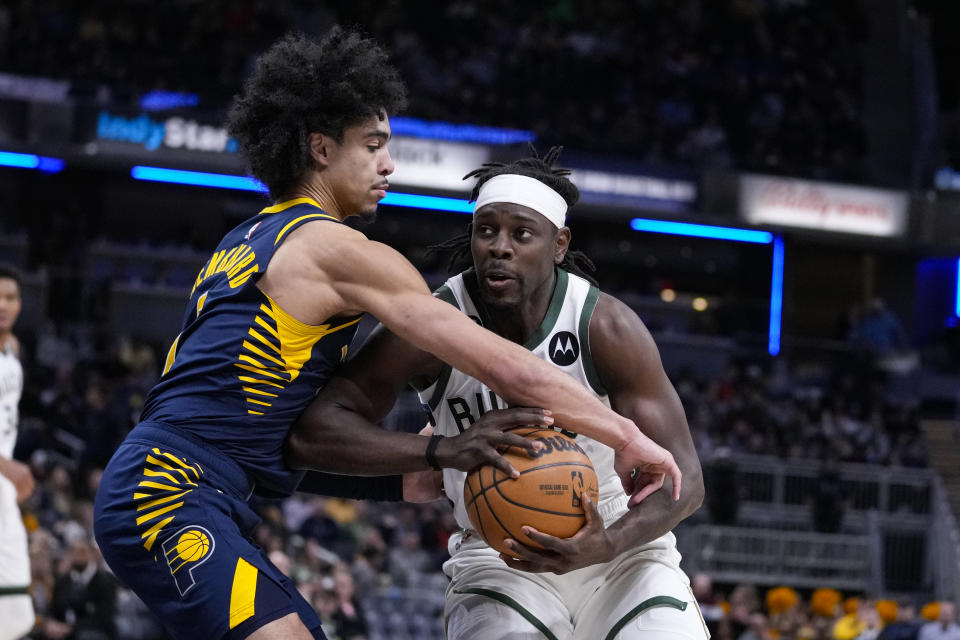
point(192, 545)
point(546, 496)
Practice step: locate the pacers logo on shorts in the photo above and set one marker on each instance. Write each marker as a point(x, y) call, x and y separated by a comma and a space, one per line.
point(186, 550)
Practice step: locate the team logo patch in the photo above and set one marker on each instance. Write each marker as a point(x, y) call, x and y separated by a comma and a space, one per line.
point(186, 550)
point(564, 348)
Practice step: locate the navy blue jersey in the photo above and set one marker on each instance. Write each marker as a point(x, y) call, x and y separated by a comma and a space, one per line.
point(242, 369)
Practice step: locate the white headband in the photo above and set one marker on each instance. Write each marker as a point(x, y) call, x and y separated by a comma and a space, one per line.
point(530, 192)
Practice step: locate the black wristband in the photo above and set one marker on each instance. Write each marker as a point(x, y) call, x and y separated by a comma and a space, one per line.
point(431, 453)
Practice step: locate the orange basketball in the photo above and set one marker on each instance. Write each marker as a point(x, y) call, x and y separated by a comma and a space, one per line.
point(546, 496)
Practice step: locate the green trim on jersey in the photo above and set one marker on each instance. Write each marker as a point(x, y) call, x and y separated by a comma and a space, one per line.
point(656, 601)
point(513, 604)
point(441, 388)
point(472, 288)
point(589, 368)
point(15, 591)
point(553, 311)
point(444, 293)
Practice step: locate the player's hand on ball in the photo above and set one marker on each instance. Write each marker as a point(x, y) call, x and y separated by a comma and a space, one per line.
point(589, 546)
point(483, 442)
point(643, 465)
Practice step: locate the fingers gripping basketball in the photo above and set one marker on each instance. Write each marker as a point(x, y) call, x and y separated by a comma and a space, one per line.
point(547, 496)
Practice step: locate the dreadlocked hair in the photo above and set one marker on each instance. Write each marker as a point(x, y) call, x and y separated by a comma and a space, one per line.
point(458, 248)
point(300, 86)
point(533, 167)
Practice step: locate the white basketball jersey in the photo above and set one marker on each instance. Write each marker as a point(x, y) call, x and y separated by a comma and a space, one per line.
point(457, 400)
point(11, 386)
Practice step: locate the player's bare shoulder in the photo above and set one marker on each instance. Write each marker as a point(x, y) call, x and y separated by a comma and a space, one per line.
point(618, 337)
point(612, 318)
point(302, 274)
point(342, 253)
point(364, 261)
point(325, 269)
point(319, 242)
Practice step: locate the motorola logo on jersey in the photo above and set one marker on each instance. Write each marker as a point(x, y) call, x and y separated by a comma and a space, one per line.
point(186, 550)
point(564, 348)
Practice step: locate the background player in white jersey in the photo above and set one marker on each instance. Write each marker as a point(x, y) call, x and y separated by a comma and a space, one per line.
point(619, 577)
point(16, 482)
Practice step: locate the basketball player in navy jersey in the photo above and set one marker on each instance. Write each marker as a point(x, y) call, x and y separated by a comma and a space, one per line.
point(16, 481)
point(269, 320)
point(620, 575)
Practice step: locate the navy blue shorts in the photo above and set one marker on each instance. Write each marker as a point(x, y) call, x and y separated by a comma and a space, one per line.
point(172, 521)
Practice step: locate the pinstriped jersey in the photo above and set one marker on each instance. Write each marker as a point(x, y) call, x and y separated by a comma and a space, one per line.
point(242, 369)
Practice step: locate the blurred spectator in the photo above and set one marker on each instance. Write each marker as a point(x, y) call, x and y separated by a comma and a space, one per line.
point(320, 527)
point(944, 628)
point(745, 615)
point(906, 626)
point(785, 616)
point(370, 562)
point(880, 331)
point(757, 628)
point(869, 616)
point(707, 600)
point(348, 617)
point(324, 600)
point(828, 498)
point(84, 599)
point(849, 626)
point(408, 558)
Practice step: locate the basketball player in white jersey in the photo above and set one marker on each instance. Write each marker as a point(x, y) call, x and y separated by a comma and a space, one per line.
point(619, 576)
point(16, 482)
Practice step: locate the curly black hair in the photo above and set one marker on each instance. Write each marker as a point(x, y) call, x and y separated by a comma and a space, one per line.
point(535, 167)
point(300, 86)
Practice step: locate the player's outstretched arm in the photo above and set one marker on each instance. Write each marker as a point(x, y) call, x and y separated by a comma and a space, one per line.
point(375, 278)
point(629, 365)
point(337, 432)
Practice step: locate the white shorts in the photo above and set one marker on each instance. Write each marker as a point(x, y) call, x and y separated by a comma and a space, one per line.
point(641, 594)
point(16, 608)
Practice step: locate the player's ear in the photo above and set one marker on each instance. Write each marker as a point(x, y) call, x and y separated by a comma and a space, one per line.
point(319, 145)
point(561, 244)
